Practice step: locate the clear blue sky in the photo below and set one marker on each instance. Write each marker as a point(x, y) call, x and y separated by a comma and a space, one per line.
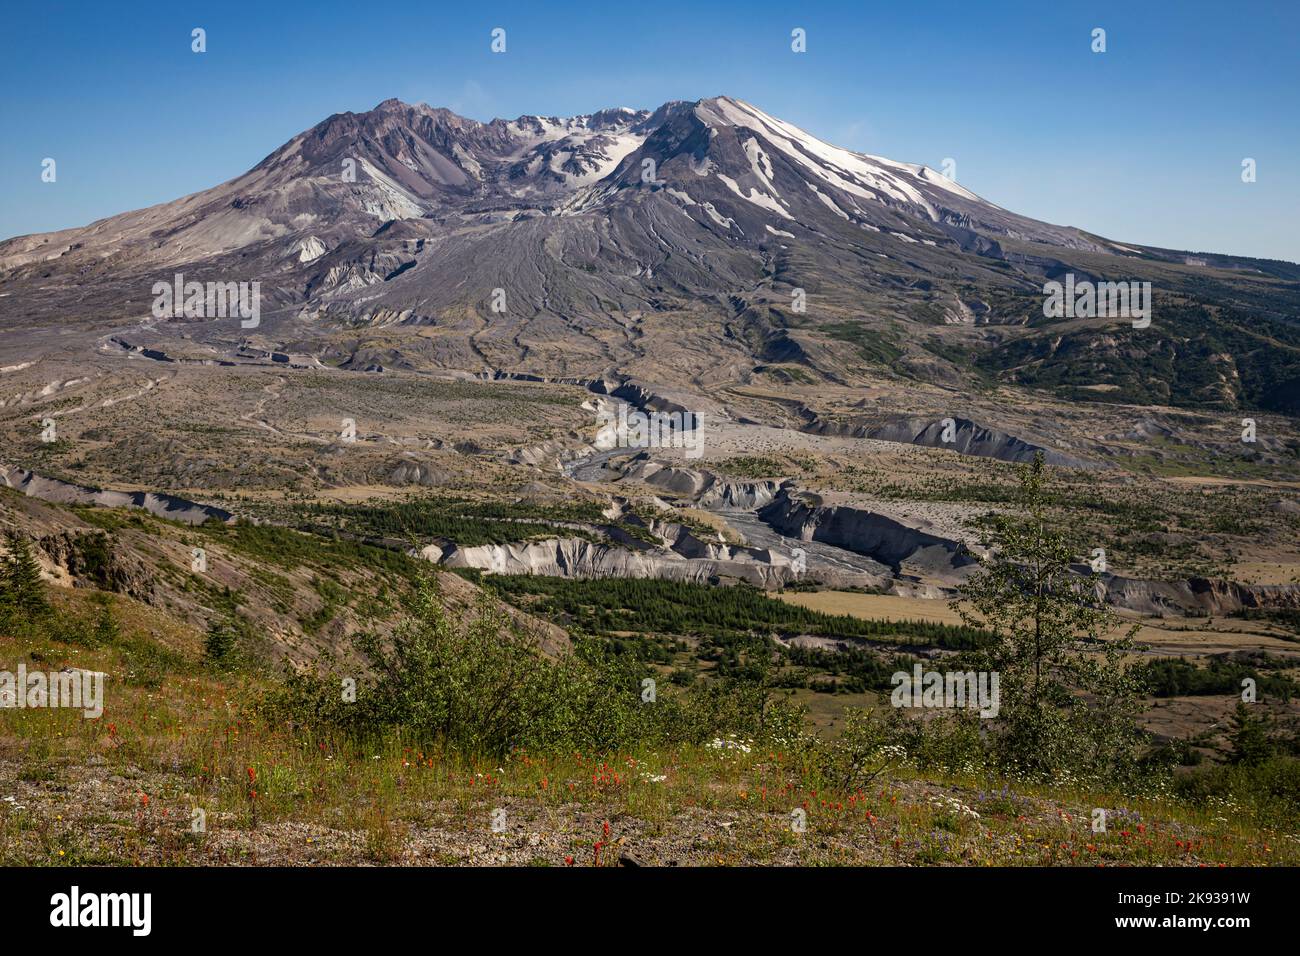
point(1142, 143)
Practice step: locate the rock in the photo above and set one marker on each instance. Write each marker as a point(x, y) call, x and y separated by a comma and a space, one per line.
point(1213, 596)
point(64, 492)
point(578, 557)
point(878, 536)
point(965, 437)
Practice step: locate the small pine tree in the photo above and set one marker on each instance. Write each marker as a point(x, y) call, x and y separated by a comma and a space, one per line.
point(20, 581)
point(219, 644)
point(7, 608)
point(1249, 738)
point(105, 631)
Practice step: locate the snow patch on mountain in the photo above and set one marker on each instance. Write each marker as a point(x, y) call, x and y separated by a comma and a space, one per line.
point(725, 222)
point(756, 197)
point(854, 173)
point(759, 162)
point(830, 203)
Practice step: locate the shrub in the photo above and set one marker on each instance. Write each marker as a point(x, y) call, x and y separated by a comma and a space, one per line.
point(481, 687)
point(1269, 792)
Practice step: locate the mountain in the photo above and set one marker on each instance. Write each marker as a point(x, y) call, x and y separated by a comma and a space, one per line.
point(700, 243)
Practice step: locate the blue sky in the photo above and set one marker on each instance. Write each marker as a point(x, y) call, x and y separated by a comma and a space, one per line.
point(1142, 143)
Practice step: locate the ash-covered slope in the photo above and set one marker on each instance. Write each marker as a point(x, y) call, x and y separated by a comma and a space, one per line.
point(702, 241)
point(727, 165)
point(346, 177)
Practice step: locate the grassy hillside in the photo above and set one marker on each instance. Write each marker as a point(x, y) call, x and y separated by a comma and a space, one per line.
point(124, 788)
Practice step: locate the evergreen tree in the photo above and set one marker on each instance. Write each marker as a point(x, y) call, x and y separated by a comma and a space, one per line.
point(1249, 738)
point(20, 582)
point(105, 630)
point(219, 644)
point(1068, 703)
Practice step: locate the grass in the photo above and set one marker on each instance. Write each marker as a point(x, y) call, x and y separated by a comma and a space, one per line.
point(123, 789)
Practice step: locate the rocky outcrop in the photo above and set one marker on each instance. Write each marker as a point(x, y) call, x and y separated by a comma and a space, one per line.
point(93, 559)
point(1212, 596)
point(956, 434)
point(887, 539)
point(64, 492)
point(411, 471)
point(741, 495)
point(554, 453)
point(580, 558)
point(704, 487)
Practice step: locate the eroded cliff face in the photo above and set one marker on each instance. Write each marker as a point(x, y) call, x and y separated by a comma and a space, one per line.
point(957, 434)
point(64, 492)
point(579, 558)
point(1212, 596)
point(904, 547)
point(706, 488)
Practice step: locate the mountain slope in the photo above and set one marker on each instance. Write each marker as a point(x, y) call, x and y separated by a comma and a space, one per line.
point(699, 243)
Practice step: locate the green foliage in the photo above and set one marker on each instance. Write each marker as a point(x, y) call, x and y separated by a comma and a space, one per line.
point(91, 559)
point(105, 631)
point(219, 645)
point(468, 523)
point(852, 669)
point(481, 687)
point(755, 467)
point(1068, 703)
point(1194, 355)
point(1267, 791)
point(22, 595)
point(612, 605)
point(871, 345)
point(1249, 737)
point(860, 753)
point(1288, 617)
point(145, 662)
point(287, 548)
point(947, 743)
point(1175, 677)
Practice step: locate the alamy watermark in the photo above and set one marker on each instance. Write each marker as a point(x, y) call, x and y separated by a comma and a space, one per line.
point(948, 689)
point(75, 908)
point(622, 427)
point(1087, 300)
point(77, 689)
point(208, 300)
